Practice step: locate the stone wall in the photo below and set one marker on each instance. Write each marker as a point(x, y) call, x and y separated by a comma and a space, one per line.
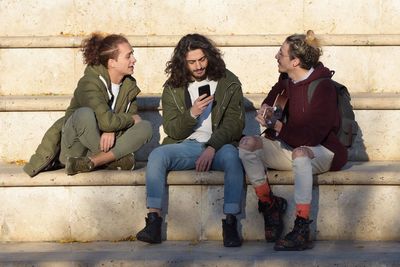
point(361, 40)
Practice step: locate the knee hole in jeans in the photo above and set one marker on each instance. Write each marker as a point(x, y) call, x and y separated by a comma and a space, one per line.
point(250, 143)
point(302, 152)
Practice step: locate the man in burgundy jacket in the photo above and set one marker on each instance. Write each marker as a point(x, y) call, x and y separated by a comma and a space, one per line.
point(300, 136)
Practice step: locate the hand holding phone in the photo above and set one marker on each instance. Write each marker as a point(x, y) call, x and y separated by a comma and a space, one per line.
point(205, 89)
point(201, 103)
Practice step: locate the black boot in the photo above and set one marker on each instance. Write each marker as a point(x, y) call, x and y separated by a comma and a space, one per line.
point(152, 232)
point(298, 238)
point(230, 232)
point(273, 213)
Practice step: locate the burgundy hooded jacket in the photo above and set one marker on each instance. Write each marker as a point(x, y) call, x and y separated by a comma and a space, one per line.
point(314, 123)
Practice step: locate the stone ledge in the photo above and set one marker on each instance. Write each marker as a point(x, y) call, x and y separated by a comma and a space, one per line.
point(354, 173)
point(192, 253)
point(246, 40)
point(61, 102)
point(360, 101)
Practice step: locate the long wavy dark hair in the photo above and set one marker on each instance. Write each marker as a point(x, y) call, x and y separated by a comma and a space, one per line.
point(179, 74)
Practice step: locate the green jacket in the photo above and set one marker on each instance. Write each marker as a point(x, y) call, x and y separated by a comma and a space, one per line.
point(227, 113)
point(93, 91)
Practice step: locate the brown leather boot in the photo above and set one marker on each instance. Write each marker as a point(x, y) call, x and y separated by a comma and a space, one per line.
point(298, 238)
point(273, 213)
point(76, 165)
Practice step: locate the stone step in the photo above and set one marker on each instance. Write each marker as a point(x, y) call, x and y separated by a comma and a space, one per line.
point(207, 254)
point(28, 117)
point(146, 102)
point(357, 203)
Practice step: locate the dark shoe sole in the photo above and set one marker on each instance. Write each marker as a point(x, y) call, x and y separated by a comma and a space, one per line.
point(308, 245)
point(147, 239)
point(233, 244)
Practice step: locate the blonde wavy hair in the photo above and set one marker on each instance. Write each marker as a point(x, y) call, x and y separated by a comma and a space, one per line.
point(305, 47)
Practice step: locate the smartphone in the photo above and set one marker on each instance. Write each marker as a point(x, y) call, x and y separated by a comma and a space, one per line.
point(205, 89)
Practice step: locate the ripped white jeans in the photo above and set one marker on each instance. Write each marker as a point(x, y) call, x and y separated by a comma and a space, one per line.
point(278, 155)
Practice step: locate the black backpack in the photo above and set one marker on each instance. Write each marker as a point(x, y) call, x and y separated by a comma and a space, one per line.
point(348, 126)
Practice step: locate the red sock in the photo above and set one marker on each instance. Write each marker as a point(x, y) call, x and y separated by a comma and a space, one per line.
point(303, 210)
point(263, 192)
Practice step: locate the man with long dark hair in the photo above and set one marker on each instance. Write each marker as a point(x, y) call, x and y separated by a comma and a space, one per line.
point(203, 117)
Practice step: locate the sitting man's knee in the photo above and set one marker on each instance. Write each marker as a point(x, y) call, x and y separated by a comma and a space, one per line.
point(157, 155)
point(84, 114)
point(250, 143)
point(147, 128)
point(302, 152)
point(230, 153)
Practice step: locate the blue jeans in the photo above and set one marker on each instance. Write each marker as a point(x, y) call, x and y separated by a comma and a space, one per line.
point(183, 156)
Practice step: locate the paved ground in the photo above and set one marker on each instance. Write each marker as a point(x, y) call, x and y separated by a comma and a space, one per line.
point(205, 253)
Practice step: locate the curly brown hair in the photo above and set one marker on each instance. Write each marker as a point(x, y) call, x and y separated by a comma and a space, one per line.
point(179, 74)
point(305, 47)
point(98, 48)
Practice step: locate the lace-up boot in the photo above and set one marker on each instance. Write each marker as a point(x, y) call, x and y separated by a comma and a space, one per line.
point(76, 165)
point(151, 233)
point(229, 232)
point(298, 238)
point(126, 163)
point(273, 213)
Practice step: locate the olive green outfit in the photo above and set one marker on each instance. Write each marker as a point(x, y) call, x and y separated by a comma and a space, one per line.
point(88, 115)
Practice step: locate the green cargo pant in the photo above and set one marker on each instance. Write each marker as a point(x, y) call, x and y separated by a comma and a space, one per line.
point(81, 136)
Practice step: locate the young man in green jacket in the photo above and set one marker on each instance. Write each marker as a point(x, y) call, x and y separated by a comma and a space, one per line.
point(203, 117)
point(101, 125)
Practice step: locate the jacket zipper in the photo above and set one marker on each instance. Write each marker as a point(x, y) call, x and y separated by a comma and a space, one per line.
point(223, 99)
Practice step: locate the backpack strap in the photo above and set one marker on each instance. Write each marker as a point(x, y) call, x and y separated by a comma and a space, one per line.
point(311, 88)
point(313, 85)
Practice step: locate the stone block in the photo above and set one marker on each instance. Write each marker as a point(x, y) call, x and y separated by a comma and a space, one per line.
point(35, 213)
point(357, 203)
point(184, 208)
point(375, 141)
point(24, 132)
point(150, 67)
point(356, 79)
point(380, 70)
point(336, 17)
point(256, 68)
point(44, 71)
point(390, 18)
point(37, 17)
point(343, 212)
point(106, 213)
point(219, 18)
